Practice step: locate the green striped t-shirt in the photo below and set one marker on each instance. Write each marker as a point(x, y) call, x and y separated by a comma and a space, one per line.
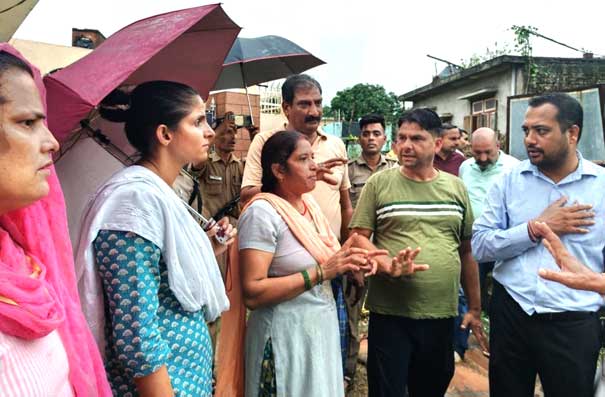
point(434, 215)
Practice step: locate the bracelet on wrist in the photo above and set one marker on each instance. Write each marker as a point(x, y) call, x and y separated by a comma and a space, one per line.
point(320, 274)
point(307, 279)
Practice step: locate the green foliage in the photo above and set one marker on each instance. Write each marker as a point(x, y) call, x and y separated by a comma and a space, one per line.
point(327, 111)
point(522, 43)
point(476, 59)
point(539, 77)
point(362, 99)
point(524, 47)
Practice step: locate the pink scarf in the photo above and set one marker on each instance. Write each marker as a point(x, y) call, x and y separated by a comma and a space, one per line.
point(29, 307)
point(39, 232)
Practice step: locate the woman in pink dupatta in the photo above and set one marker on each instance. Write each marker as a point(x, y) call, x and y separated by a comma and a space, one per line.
point(46, 348)
point(287, 252)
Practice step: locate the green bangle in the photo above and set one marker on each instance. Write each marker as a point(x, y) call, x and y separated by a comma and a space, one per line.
point(305, 275)
point(320, 274)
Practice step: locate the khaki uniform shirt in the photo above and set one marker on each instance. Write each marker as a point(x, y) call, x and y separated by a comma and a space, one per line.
point(325, 147)
point(220, 182)
point(184, 188)
point(360, 171)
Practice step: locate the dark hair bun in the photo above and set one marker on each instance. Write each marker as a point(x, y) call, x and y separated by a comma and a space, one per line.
point(115, 106)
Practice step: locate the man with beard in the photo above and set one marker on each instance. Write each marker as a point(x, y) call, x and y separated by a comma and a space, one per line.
point(412, 313)
point(539, 326)
point(448, 158)
point(478, 174)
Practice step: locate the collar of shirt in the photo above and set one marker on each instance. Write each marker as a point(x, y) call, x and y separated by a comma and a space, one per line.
point(214, 157)
point(321, 136)
point(584, 168)
point(499, 163)
point(362, 161)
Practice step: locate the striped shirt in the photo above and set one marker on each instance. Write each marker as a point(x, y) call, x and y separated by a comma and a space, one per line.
point(435, 215)
point(34, 368)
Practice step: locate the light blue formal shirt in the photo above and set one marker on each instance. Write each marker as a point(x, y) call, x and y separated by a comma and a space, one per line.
point(500, 234)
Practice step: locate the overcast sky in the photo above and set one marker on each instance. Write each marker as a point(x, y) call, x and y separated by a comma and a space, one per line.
point(379, 41)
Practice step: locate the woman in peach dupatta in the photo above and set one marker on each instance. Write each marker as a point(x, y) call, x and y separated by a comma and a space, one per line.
point(287, 252)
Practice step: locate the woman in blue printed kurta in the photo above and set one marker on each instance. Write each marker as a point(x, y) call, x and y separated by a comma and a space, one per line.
point(145, 325)
point(148, 276)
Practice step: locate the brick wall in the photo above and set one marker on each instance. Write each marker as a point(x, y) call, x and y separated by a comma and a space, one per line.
point(237, 103)
point(94, 35)
point(554, 75)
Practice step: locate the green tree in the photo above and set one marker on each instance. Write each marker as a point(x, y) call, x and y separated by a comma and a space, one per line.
point(361, 99)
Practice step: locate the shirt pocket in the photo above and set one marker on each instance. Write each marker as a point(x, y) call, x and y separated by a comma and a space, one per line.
point(337, 175)
point(213, 185)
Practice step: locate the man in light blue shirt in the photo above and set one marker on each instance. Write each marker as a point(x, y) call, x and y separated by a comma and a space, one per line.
point(478, 174)
point(539, 326)
point(488, 162)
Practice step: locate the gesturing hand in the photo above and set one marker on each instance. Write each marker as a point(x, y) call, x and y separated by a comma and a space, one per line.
point(324, 170)
point(403, 263)
point(573, 273)
point(564, 220)
point(350, 259)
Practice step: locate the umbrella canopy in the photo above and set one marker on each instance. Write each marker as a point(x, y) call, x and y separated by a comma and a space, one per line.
point(257, 60)
point(164, 47)
point(12, 14)
point(187, 46)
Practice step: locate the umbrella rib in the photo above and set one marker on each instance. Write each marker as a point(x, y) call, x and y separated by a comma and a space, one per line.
point(248, 60)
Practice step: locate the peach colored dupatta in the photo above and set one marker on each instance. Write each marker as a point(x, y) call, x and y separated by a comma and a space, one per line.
point(316, 237)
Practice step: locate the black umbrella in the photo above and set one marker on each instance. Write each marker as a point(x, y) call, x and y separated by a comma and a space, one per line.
point(261, 59)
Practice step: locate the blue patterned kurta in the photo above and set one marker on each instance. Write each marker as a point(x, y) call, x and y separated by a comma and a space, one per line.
point(145, 325)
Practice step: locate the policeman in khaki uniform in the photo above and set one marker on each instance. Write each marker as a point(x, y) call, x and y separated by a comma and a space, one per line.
point(372, 139)
point(216, 181)
point(220, 177)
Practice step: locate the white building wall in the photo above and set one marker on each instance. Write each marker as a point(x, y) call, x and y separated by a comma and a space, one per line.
point(448, 102)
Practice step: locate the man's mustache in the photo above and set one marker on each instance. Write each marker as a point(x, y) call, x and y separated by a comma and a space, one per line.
point(310, 119)
point(535, 149)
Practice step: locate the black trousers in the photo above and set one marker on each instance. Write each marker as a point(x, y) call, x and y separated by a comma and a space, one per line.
point(561, 348)
point(407, 353)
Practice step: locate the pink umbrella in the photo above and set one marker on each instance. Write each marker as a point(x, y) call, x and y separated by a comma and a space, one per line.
point(187, 46)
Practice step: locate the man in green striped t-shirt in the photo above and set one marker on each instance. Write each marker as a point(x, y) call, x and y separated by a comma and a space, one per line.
point(410, 342)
